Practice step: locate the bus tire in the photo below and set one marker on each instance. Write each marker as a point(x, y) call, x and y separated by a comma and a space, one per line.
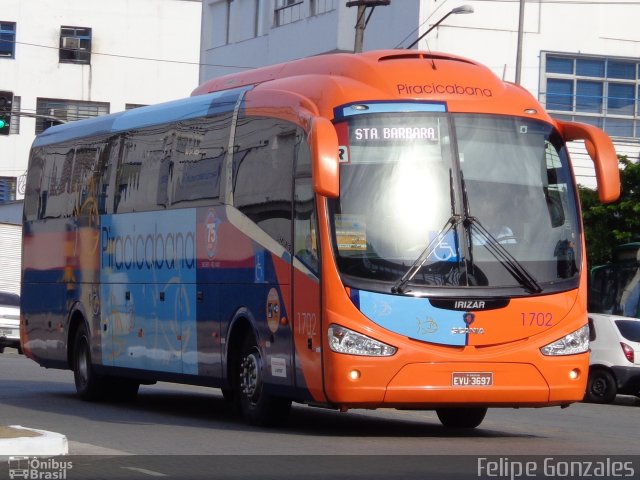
point(601, 386)
point(257, 406)
point(461, 417)
point(89, 385)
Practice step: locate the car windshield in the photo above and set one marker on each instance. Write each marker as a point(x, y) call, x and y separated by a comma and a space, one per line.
point(504, 182)
point(9, 299)
point(629, 329)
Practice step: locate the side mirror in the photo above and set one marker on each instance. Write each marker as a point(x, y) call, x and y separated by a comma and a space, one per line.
point(325, 167)
point(602, 153)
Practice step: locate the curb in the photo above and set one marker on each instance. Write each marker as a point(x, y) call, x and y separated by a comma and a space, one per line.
point(43, 443)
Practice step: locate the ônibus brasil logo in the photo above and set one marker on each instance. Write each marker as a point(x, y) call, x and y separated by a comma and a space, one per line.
point(34, 468)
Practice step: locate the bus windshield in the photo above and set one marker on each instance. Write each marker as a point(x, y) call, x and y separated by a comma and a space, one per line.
point(504, 183)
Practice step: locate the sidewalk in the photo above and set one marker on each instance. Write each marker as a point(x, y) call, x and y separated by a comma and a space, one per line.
point(17, 440)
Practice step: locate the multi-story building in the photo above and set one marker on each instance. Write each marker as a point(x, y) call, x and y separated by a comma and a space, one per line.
point(79, 58)
point(580, 58)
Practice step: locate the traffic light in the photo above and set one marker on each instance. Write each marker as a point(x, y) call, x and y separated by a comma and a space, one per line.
point(6, 101)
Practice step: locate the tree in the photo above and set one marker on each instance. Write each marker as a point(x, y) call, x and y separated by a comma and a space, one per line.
point(606, 226)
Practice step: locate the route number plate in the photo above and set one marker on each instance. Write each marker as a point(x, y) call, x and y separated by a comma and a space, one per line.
point(472, 379)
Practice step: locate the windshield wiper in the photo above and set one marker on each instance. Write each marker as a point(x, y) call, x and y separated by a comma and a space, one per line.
point(515, 268)
point(401, 284)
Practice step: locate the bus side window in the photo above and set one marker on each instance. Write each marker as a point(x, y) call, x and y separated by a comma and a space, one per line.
point(143, 172)
point(263, 174)
point(197, 158)
point(305, 237)
point(55, 197)
point(34, 196)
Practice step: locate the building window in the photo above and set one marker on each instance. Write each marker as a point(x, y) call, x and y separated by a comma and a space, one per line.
point(601, 91)
point(7, 40)
point(322, 6)
point(288, 11)
point(75, 45)
point(131, 106)
point(53, 111)
point(7, 189)
point(15, 117)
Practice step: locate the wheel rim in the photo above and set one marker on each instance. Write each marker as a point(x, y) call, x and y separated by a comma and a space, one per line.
point(250, 378)
point(599, 387)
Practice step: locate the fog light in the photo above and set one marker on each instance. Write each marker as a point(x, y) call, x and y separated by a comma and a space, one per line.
point(354, 374)
point(574, 374)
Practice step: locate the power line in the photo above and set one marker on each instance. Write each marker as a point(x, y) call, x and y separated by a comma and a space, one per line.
point(537, 2)
point(130, 57)
point(567, 2)
point(418, 27)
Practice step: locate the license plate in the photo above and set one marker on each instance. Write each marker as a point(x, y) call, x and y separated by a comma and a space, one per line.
point(5, 333)
point(472, 379)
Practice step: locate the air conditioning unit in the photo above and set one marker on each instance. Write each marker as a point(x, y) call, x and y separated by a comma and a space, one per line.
point(72, 43)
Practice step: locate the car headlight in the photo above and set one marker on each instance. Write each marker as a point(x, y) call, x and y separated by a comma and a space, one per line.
point(571, 344)
point(343, 340)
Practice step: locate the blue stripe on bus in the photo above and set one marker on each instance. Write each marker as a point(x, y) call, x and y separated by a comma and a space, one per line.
point(389, 107)
point(174, 111)
point(413, 317)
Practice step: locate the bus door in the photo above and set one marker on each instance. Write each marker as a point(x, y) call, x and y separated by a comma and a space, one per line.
point(306, 318)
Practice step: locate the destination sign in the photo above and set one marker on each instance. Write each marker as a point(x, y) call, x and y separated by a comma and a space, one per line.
point(373, 134)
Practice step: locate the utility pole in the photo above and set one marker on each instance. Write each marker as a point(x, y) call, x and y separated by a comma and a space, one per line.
point(361, 23)
point(519, 47)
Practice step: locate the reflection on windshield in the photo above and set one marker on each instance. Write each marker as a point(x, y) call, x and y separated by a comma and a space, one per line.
point(397, 192)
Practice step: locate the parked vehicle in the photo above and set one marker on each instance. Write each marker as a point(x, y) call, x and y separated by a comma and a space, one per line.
point(615, 287)
point(9, 321)
point(614, 366)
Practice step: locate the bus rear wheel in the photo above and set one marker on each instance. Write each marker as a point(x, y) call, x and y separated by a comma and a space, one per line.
point(461, 417)
point(89, 385)
point(258, 407)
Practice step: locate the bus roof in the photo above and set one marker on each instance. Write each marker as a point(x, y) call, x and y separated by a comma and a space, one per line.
point(325, 82)
point(337, 79)
point(141, 117)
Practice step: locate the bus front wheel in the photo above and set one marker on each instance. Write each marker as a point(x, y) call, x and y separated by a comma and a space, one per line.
point(461, 417)
point(257, 406)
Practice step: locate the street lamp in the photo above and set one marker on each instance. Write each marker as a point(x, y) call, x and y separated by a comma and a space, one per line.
point(455, 11)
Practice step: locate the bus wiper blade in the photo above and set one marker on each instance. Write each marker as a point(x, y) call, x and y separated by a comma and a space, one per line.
point(401, 284)
point(513, 266)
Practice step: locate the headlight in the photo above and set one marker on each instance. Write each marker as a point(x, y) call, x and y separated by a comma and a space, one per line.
point(575, 342)
point(343, 340)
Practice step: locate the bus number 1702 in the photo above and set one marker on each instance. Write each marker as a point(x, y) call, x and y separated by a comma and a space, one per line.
point(306, 324)
point(537, 319)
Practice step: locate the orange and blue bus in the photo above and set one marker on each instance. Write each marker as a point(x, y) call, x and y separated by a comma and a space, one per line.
point(388, 229)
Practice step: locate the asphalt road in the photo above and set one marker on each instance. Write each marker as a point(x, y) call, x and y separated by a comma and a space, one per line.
point(168, 421)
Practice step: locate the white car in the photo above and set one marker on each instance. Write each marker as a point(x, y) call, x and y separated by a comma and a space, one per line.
point(9, 320)
point(614, 366)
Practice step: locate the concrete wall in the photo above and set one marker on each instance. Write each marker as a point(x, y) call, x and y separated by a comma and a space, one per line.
point(145, 29)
